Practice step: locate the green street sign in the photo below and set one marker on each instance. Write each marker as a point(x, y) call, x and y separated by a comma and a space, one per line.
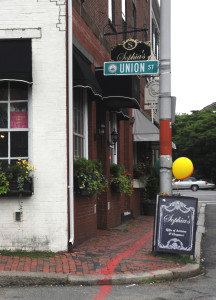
point(139, 67)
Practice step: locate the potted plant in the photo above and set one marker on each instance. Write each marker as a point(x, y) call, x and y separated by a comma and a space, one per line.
point(16, 179)
point(139, 174)
point(120, 180)
point(139, 170)
point(88, 177)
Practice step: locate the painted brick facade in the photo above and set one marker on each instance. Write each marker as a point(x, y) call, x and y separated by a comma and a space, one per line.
point(44, 222)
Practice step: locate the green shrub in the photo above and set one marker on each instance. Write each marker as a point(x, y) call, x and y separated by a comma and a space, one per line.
point(151, 184)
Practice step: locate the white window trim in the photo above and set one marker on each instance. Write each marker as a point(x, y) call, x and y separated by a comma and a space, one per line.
point(85, 145)
point(84, 134)
point(30, 124)
point(20, 33)
point(113, 124)
point(29, 105)
point(123, 4)
point(110, 10)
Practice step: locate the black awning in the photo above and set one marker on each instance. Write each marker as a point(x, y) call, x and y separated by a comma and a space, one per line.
point(119, 91)
point(16, 60)
point(122, 114)
point(83, 76)
point(113, 102)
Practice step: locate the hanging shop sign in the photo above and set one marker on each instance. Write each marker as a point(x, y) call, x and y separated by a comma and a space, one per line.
point(152, 91)
point(131, 50)
point(175, 224)
point(152, 94)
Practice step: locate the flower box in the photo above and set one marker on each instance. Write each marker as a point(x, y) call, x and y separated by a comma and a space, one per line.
point(28, 188)
point(88, 177)
point(83, 192)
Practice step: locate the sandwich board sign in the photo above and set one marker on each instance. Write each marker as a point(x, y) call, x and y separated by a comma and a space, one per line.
point(175, 224)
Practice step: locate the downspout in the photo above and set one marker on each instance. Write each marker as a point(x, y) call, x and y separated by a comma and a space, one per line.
point(70, 123)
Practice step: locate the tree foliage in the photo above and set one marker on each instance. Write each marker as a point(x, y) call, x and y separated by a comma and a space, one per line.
point(195, 138)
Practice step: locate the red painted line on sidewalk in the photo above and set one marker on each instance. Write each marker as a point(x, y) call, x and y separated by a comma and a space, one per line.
point(111, 265)
point(103, 293)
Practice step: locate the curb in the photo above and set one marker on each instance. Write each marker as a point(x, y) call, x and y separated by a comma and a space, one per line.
point(119, 279)
point(16, 278)
point(200, 230)
point(8, 278)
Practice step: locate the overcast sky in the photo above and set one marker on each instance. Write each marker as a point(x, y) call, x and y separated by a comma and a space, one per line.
point(193, 53)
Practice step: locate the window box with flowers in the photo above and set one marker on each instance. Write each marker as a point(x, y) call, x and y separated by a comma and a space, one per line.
point(120, 180)
point(17, 179)
point(88, 177)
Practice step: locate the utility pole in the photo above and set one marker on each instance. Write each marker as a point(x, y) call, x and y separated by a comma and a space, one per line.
point(165, 98)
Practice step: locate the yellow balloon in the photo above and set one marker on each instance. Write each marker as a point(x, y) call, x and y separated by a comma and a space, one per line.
point(182, 168)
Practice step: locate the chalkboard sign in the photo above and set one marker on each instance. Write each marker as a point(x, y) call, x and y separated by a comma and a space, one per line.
point(175, 224)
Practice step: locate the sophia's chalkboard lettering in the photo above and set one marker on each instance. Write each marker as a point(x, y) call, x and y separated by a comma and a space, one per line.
point(171, 219)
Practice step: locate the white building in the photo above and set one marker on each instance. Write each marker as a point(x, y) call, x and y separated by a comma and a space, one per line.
point(38, 29)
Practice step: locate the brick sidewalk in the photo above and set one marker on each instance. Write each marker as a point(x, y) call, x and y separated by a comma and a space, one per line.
point(111, 252)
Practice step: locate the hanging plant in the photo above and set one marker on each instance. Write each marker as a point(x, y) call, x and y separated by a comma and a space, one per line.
point(120, 179)
point(88, 176)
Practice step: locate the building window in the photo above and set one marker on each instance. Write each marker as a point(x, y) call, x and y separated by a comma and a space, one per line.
point(134, 19)
point(124, 22)
point(155, 40)
point(110, 10)
point(113, 148)
point(14, 129)
point(80, 123)
point(123, 3)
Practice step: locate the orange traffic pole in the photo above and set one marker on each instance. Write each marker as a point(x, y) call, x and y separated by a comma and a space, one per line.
point(165, 98)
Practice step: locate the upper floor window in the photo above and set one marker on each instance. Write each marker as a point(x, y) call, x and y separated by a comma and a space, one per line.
point(123, 3)
point(155, 40)
point(134, 18)
point(111, 11)
point(113, 148)
point(13, 121)
point(80, 123)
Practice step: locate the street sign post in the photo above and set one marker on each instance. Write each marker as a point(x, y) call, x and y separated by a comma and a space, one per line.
point(139, 67)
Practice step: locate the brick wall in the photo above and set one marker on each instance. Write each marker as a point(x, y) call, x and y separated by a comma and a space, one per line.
point(85, 218)
point(135, 203)
point(90, 22)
